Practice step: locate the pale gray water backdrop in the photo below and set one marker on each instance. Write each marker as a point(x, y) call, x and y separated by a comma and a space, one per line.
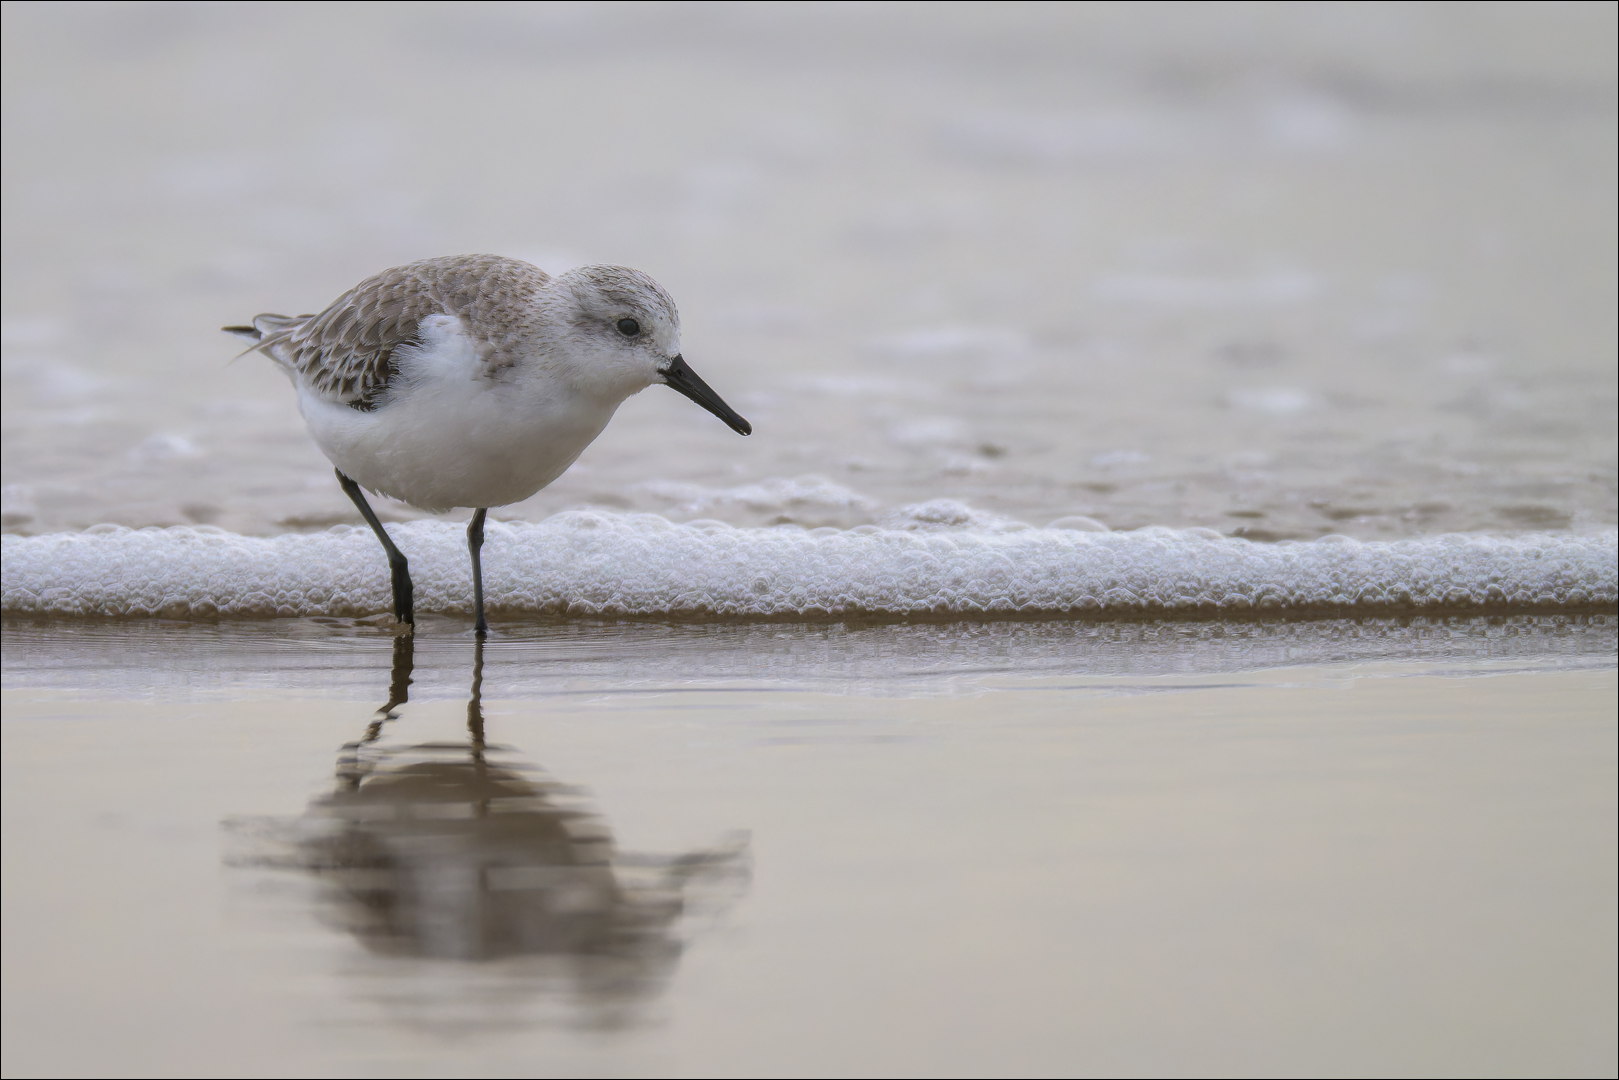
point(1278, 271)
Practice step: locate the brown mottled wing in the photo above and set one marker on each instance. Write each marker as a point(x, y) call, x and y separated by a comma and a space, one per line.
point(346, 352)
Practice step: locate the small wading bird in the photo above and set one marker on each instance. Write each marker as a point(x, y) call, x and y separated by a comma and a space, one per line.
point(474, 380)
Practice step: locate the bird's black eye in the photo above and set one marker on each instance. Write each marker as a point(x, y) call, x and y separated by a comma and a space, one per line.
point(629, 327)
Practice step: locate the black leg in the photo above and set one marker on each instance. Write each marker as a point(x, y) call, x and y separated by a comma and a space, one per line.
point(475, 546)
point(404, 599)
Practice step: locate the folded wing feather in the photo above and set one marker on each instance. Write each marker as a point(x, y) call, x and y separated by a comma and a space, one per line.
point(345, 353)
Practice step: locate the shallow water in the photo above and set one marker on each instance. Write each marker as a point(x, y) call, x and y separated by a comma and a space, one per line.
point(724, 850)
point(190, 662)
point(1279, 272)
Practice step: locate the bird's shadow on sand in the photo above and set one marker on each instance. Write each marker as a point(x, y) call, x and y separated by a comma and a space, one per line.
point(484, 893)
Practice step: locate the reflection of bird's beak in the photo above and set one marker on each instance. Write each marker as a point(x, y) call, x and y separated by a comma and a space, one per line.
point(684, 379)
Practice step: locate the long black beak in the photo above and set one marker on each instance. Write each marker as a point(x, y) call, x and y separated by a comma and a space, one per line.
point(684, 379)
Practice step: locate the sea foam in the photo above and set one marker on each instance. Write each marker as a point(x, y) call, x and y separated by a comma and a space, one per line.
point(942, 560)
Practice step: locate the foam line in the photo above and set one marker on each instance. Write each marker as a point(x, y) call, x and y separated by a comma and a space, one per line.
point(590, 563)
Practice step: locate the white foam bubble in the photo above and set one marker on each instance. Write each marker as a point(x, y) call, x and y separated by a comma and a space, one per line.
point(940, 559)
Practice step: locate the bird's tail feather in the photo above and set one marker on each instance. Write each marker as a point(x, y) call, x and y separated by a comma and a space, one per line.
point(268, 331)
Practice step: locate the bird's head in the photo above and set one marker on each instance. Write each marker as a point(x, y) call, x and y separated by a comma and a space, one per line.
point(628, 327)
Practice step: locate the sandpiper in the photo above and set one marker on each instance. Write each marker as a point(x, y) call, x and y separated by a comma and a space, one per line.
point(474, 380)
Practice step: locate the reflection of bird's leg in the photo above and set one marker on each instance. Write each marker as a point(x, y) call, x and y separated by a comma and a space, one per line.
point(398, 567)
point(475, 723)
point(404, 661)
point(475, 704)
point(399, 683)
point(475, 547)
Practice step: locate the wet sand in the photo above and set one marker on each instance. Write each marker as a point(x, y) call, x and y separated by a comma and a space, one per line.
point(1335, 867)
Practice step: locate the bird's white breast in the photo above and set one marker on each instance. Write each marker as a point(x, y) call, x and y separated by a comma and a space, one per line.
point(449, 432)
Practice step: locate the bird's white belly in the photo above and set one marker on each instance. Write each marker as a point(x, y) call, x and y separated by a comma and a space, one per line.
point(457, 442)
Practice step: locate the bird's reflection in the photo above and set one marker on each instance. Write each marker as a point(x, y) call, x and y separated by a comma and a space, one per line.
point(458, 851)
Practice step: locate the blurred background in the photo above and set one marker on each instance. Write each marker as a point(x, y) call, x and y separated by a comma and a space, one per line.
point(1277, 270)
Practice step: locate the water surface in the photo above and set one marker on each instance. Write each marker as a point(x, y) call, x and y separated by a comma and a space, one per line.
point(1279, 272)
point(740, 851)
